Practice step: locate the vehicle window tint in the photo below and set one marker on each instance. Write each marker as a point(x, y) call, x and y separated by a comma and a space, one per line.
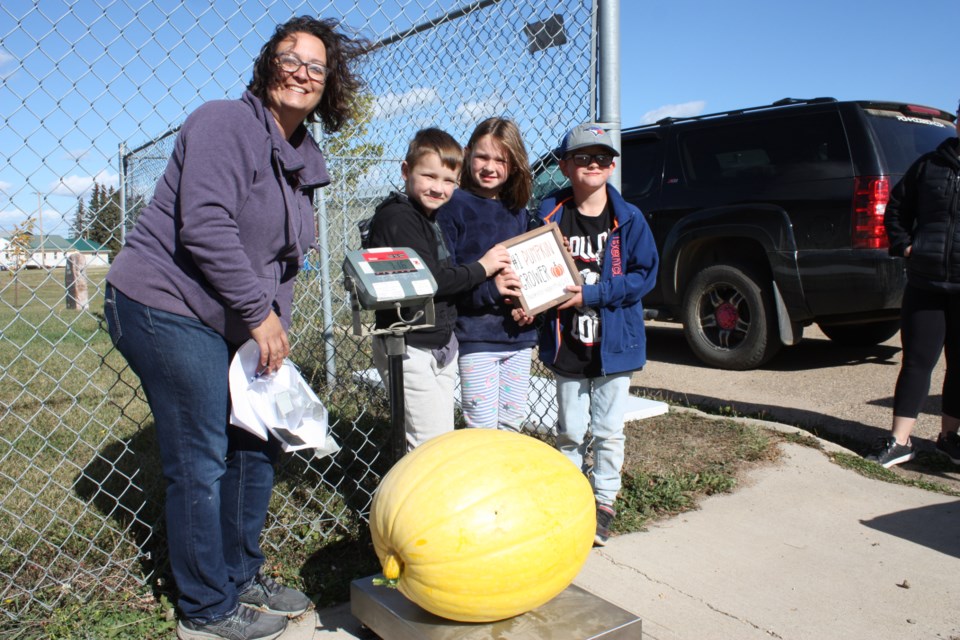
point(904, 138)
point(640, 167)
point(788, 149)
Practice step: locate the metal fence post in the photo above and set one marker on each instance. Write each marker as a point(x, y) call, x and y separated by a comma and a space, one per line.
point(609, 53)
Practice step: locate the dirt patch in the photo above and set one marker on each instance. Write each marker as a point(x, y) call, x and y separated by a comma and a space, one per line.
point(682, 442)
point(673, 461)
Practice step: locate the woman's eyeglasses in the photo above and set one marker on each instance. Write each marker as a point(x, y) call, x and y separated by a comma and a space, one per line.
point(584, 159)
point(291, 63)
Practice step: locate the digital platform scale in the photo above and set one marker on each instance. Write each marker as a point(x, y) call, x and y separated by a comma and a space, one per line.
point(391, 278)
point(383, 277)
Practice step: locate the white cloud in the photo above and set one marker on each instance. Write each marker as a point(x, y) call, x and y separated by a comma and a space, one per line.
point(4, 59)
point(393, 104)
point(683, 110)
point(76, 186)
point(75, 154)
point(474, 112)
point(50, 221)
point(9, 218)
point(5, 186)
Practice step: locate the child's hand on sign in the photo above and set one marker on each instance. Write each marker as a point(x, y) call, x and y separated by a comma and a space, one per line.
point(521, 317)
point(576, 300)
point(508, 284)
point(495, 259)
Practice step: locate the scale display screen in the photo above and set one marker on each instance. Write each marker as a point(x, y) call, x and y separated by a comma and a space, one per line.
point(385, 276)
point(391, 263)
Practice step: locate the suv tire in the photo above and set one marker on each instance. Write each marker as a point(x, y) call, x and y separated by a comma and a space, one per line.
point(861, 335)
point(729, 318)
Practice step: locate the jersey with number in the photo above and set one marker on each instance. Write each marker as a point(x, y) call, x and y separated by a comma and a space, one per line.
point(578, 355)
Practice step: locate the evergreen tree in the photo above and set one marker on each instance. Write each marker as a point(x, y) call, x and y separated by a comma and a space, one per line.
point(105, 218)
point(79, 229)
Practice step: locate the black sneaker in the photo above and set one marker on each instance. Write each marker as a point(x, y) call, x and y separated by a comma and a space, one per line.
point(267, 594)
point(887, 452)
point(605, 516)
point(244, 624)
point(949, 445)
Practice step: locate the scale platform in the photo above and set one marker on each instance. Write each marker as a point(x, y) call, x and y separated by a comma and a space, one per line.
point(575, 614)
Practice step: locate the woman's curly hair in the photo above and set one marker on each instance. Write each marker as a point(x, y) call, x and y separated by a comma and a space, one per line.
point(336, 104)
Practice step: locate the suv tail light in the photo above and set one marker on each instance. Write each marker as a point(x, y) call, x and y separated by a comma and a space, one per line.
point(870, 196)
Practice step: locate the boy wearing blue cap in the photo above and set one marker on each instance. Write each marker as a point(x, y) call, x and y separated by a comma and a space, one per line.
point(595, 341)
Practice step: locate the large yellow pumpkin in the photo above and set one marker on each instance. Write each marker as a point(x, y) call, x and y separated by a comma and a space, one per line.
point(479, 525)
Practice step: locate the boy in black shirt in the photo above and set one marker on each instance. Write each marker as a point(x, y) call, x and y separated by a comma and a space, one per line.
point(430, 173)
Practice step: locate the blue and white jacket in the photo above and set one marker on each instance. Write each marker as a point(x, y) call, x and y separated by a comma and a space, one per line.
point(628, 272)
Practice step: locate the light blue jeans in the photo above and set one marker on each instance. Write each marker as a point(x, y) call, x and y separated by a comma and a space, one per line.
point(596, 405)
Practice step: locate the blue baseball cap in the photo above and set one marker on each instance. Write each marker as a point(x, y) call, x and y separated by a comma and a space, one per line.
point(589, 134)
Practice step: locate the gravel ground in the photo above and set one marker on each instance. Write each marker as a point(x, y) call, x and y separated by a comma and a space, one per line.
point(839, 393)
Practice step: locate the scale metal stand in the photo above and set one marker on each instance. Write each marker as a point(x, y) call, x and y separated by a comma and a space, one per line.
point(382, 279)
point(574, 614)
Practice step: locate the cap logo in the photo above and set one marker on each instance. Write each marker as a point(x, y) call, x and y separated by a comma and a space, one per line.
point(596, 131)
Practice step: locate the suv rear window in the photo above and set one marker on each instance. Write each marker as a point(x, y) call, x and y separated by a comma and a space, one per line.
point(789, 148)
point(903, 139)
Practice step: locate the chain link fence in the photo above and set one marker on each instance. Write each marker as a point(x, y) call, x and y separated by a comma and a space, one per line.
point(93, 93)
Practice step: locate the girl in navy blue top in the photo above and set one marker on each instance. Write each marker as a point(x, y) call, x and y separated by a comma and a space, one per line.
point(490, 207)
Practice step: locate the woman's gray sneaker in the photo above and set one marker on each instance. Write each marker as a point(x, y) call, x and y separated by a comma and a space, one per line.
point(267, 594)
point(888, 452)
point(244, 624)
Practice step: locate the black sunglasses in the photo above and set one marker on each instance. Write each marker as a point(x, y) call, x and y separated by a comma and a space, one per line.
point(584, 159)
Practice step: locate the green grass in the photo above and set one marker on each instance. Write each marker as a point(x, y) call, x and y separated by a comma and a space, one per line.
point(81, 534)
point(873, 470)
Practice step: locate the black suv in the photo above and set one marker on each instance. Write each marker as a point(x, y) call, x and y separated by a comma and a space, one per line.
point(769, 219)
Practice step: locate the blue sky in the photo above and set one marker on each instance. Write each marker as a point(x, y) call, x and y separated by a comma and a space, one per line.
point(78, 78)
point(696, 57)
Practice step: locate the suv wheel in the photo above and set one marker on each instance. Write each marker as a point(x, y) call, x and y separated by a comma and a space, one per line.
point(729, 318)
point(861, 335)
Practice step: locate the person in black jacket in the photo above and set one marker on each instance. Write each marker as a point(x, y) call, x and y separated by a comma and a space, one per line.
point(923, 225)
point(430, 173)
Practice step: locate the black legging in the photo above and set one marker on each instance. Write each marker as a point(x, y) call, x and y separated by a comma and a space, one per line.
point(929, 323)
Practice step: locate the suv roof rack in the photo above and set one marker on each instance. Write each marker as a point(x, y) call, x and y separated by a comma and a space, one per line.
point(779, 103)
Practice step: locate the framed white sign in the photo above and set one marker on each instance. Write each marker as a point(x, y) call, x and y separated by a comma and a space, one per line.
point(544, 266)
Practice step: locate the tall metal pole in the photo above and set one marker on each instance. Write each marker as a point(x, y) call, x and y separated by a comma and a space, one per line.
point(608, 113)
point(43, 253)
point(123, 193)
point(326, 296)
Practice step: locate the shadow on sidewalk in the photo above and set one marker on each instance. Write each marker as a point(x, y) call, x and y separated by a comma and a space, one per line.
point(933, 526)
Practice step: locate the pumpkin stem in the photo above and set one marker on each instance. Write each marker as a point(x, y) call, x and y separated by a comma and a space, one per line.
point(391, 567)
point(391, 572)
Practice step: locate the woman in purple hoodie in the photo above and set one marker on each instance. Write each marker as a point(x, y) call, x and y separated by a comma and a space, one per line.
point(209, 265)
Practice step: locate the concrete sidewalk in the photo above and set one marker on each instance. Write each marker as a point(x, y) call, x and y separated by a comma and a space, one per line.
point(802, 549)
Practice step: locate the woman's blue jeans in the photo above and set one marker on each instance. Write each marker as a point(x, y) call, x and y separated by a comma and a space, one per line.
point(219, 477)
